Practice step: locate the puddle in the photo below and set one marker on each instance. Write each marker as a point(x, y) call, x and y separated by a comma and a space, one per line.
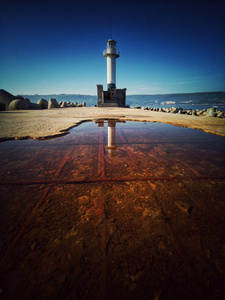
point(113, 208)
point(116, 150)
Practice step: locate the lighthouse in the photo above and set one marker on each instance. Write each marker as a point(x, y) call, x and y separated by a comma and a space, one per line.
point(113, 96)
point(111, 54)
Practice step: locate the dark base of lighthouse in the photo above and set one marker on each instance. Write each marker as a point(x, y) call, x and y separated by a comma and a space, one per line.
point(111, 98)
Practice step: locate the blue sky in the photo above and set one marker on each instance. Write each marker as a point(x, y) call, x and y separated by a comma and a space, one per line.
point(165, 46)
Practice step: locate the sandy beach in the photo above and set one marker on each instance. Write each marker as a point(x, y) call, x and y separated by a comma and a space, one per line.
point(40, 124)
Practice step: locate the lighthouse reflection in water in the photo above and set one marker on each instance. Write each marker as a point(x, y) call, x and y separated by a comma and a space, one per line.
point(111, 146)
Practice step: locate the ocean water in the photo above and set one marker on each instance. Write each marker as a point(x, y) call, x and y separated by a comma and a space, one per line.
point(186, 101)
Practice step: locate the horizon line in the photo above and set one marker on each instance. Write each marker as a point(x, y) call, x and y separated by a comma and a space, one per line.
point(175, 93)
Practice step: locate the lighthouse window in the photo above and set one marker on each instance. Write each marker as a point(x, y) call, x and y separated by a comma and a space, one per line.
point(111, 45)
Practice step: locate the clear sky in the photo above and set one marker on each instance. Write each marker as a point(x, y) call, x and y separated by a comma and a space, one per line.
point(165, 46)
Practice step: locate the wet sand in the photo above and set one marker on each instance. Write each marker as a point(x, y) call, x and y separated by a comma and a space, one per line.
point(38, 124)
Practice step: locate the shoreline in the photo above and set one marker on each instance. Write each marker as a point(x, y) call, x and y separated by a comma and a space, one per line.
point(52, 123)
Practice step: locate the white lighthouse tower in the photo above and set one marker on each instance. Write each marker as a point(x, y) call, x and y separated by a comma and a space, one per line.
point(111, 54)
point(113, 96)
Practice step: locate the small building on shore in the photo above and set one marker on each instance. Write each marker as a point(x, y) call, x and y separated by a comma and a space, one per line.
point(113, 97)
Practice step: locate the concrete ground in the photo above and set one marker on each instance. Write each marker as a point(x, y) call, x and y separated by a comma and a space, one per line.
point(145, 223)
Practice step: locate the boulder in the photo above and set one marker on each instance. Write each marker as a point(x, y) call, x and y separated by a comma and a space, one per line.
point(53, 103)
point(34, 106)
point(220, 114)
point(43, 103)
point(174, 110)
point(199, 113)
point(18, 104)
point(64, 104)
point(6, 98)
point(211, 112)
point(2, 106)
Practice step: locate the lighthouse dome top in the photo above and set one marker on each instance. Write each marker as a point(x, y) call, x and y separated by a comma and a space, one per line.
point(111, 43)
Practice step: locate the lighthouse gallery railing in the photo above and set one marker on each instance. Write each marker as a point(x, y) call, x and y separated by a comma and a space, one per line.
point(111, 51)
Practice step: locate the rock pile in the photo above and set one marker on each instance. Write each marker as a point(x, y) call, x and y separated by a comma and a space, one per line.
point(71, 104)
point(53, 103)
point(210, 112)
point(11, 102)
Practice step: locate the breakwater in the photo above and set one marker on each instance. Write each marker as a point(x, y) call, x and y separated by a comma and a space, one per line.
point(210, 112)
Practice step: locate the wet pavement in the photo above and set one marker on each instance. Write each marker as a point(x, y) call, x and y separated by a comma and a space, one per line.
point(113, 210)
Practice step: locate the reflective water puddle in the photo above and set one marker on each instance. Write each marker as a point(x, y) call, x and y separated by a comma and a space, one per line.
point(115, 150)
point(113, 210)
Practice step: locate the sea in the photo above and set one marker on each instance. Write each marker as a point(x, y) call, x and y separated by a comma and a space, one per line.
point(192, 101)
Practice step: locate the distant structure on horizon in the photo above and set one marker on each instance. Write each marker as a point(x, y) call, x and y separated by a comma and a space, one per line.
point(113, 96)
